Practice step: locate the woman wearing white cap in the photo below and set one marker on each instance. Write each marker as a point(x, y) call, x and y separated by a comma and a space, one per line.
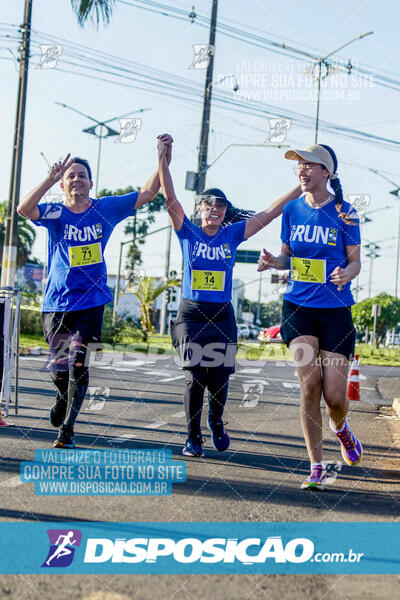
point(321, 247)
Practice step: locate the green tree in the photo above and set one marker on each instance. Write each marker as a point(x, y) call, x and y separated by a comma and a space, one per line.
point(389, 318)
point(138, 226)
point(93, 10)
point(26, 236)
point(146, 291)
point(270, 313)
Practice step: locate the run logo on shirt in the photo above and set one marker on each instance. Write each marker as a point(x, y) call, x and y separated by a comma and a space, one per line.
point(83, 234)
point(314, 234)
point(212, 252)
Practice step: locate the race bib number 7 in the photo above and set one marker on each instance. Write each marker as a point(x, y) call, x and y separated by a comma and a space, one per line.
point(82, 256)
point(213, 281)
point(309, 270)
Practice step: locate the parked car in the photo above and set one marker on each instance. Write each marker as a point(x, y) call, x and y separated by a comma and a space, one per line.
point(254, 331)
point(389, 341)
point(243, 331)
point(271, 334)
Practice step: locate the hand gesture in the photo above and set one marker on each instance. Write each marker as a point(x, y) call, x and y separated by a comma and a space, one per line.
point(58, 169)
point(266, 261)
point(164, 146)
point(339, 277)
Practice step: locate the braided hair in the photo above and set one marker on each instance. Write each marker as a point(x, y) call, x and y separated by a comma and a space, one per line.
point(233, 214)
point(348, 218)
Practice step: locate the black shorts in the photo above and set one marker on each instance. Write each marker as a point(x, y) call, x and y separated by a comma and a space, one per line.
point(332, 326)
point(62, 329)
point(205, 334)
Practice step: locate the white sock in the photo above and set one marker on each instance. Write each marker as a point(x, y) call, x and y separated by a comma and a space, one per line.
point(338, 430)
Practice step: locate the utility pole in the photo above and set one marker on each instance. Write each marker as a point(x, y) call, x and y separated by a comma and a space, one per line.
point(396, 193)
point(163, 313)
point(205, 124)
point(372, 253)
point(258, 302)
point(11, 232)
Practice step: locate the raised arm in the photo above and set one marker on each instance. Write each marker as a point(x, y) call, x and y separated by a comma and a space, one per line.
point(268, 261)
point(261, 219)
point(151, 187)
point(28, 207)
point(174, 207)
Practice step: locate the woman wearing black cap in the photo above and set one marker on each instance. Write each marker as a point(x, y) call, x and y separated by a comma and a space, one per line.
point(205, 333)
point(321, 247)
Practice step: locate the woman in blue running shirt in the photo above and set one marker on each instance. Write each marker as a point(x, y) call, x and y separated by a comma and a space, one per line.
point(205, 332)
point(321, 247)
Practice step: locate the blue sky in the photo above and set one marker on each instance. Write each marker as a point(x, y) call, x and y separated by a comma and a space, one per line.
point(251, 177)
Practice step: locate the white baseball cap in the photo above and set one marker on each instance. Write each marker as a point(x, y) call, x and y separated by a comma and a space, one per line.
point(316, 154)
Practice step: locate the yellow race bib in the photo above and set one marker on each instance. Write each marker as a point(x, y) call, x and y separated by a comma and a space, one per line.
point(309, 270)
point(81, 256)
point(210, 281)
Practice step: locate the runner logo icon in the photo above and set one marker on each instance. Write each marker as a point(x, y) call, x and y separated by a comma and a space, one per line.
point(62, 547)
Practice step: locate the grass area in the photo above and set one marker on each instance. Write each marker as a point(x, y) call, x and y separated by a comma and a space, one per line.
point(158, 344)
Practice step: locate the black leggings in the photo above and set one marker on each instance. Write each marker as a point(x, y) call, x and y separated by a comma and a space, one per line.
point(71, 336)
point(196, 380)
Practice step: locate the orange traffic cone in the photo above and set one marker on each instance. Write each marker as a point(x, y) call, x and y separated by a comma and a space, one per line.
point(353, 382)
point(2, 422)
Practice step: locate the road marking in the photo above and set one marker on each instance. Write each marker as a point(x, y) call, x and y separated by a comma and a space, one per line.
point(250, 371)
point(290, 385)
point(171, 378)
point(12, 482)
point(179, 414)
point(156, 425)
point(122, 438)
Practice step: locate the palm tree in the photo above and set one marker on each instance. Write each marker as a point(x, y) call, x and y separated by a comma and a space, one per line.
point(93, 10)
point(26, 236)
point(146, 291)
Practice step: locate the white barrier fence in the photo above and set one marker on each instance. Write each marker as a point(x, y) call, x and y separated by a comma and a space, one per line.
point(10, 307)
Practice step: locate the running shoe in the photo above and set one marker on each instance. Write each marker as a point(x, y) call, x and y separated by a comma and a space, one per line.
point(316, 479)
point(65, 438)
point(219, 436)
point(193, 446)
point(58, 411)
point(351, 446)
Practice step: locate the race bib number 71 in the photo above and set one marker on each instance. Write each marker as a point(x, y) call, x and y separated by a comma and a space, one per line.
point(81, 256)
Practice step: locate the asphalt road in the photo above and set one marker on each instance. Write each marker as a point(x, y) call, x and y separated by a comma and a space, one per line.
point(136, 402)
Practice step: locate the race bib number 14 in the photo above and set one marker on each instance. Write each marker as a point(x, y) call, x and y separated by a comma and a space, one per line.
point(213, 281)
point(81, 256)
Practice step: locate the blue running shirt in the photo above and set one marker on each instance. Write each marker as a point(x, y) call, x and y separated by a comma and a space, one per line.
point(317, 233)
point(208, 261)
point(77, 276)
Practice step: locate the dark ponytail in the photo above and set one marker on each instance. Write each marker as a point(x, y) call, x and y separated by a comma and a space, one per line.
point(335, 184)
point(233, 214)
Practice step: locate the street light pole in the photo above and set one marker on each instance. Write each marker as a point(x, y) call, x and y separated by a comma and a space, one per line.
point(10, 246)
point(93, 130)
point(324, 61)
